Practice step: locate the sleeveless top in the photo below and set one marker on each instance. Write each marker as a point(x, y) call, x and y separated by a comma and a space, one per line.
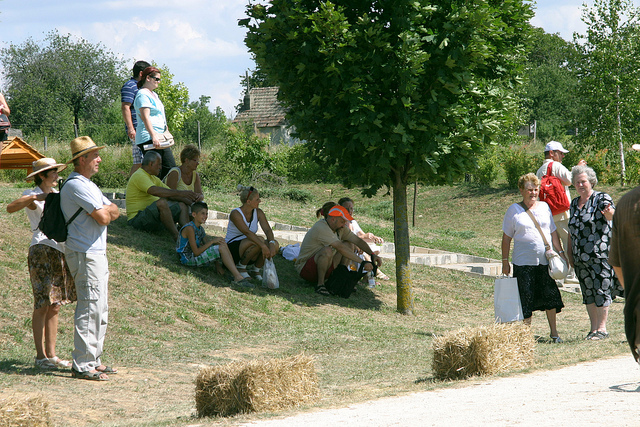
point(233, 234)
point(181, 185)
point(183, 248)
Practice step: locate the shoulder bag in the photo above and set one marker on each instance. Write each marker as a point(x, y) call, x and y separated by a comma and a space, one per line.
point(558, 268)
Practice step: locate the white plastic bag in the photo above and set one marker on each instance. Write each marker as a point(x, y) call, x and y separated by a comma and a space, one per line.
point(291, 252)
point(558, 268)
point(506, 300)
point(269, 275)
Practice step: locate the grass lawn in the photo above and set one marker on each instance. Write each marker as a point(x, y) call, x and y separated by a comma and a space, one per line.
point(166, 321)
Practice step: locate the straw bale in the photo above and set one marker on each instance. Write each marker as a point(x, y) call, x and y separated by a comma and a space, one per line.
point(23, 412)
point(257, 385)
point(483, 350)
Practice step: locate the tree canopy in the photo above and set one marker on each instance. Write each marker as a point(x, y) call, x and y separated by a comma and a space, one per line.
point(64, 77)
point(393, 92)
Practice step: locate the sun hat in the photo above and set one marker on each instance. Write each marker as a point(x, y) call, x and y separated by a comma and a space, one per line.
point(555, 146)
point(81, 146)
point(340, 211)
point(44, 164)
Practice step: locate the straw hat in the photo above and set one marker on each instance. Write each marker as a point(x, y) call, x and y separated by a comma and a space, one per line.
point(44, 164)
point(81, 146)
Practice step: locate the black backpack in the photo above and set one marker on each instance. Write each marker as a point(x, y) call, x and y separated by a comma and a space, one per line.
point(52, 222)
point(342, 281)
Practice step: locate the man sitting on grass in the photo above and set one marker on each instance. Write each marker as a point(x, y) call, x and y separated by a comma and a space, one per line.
point(196, 249)
point(151, 204)
point(324, 247)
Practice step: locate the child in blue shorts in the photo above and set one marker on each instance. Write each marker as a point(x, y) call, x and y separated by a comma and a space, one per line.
point(196, 249)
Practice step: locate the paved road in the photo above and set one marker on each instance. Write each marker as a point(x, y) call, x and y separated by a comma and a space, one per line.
point(605, 392)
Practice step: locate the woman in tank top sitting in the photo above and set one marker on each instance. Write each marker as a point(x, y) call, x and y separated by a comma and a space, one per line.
point(249, 250)
point(185, 177)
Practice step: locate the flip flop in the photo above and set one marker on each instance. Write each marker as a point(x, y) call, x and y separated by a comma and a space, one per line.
point(91, 376)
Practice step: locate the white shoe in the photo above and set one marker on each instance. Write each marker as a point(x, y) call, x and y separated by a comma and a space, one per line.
point(60, 363)
point(45, 364)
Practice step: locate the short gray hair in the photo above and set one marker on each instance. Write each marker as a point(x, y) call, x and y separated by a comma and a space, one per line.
point(150, 157)
point(579, 170)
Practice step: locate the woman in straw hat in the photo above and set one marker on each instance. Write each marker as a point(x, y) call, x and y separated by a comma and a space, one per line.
point(152, 121)
point(51, 280)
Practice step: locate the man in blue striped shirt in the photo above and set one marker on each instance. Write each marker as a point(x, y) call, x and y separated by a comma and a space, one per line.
point(127, 95)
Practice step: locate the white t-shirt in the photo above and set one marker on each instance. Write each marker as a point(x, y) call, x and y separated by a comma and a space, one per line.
point(34, 216)
point(558, 170)
point(528, 247)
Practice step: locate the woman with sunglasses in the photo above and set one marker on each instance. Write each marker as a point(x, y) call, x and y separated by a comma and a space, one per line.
point(245, 245)
point(152, 121)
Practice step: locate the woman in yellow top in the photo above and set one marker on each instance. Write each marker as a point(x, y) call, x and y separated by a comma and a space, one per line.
point(185, 177)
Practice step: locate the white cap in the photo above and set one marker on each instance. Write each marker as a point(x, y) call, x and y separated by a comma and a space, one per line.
point(636, 147)
point(555, 146)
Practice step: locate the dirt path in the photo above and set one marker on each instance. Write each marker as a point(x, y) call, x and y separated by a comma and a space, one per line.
point(604, 392)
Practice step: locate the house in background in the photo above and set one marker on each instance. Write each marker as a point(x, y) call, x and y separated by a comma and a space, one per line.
point(262, 109)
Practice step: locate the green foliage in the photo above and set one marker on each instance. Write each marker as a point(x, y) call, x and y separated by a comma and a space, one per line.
point(550, 83)
point(298, 163)
point(175, 98)
point(489, 165)
point(212, 125)
point(297, 195)
point(63, 80)
point(415, 89)
point(517, 163)
point(609, 72)
point(382, 210)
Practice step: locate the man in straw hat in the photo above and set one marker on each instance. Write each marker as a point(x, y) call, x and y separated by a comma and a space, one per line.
point(324, 247)
point(623, 257)
point(86, 253)
point(151, 204)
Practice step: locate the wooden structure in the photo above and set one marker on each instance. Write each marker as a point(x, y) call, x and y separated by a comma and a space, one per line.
point(262, 109)
point(17, 154)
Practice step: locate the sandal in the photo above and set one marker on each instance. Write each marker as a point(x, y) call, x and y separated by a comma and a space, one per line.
point(322, 290)
point(602, 335)
point(91, 376)
point(382, 276)
point(557, 340)
point(59, 362)
point(245, 283)
point(45, 364)
point(590, 336)
point(107, 370)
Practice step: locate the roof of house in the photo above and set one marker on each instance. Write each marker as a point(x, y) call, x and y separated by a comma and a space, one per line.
point(265, 109)
point(17, 154)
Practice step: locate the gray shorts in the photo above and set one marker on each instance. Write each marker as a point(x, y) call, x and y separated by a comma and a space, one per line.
point(149, 219)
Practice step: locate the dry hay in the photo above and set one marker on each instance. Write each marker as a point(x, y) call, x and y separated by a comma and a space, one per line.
point(483, 350)
point(31, 412)
point(258, 385)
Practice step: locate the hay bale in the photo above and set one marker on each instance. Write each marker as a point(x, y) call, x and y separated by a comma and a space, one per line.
point(258, 385)
point(483, 351)
point(23, 412)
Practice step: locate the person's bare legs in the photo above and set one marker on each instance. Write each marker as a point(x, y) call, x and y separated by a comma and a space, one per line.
point(166, 218)
point(184, 214)
point(227, 260)
point(38, 326)
point(603, 314)
point(593, 317)
point(51, 330)
point(551, 318)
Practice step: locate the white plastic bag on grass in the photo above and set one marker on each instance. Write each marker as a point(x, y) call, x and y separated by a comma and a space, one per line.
point(269, 275)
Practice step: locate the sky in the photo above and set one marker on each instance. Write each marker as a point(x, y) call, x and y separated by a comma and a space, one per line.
point(198, 40)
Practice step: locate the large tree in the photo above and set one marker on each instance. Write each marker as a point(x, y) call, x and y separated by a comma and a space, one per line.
point(609, 72)
point(392, 92)
point(64, 77)
point(550, 84)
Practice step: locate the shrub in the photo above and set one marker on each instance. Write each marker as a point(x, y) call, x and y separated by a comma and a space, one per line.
point(488, 167)
point(517, 163)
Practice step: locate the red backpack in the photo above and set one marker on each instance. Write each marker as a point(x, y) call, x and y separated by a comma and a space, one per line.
point(552, 192)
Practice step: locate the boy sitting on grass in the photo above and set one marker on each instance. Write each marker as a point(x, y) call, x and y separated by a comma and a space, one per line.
point(196, 249)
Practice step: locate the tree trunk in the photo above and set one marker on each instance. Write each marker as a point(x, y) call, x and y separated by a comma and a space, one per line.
point(401, 238)
point(620, 144)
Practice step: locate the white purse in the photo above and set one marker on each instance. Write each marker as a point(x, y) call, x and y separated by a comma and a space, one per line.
point(558, 268)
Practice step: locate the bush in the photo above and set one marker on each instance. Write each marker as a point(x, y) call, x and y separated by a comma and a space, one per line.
point(488, 167)
point(517, 163)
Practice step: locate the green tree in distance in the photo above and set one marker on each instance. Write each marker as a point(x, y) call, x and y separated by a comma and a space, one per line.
point(64, 77)
point(212, 125)
point(550, 85)
point(393, 92)
point(609, 73)
point(175, 97)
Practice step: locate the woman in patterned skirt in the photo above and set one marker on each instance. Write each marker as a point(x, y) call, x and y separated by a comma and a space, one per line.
point(51, 280)
point(588, 249)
